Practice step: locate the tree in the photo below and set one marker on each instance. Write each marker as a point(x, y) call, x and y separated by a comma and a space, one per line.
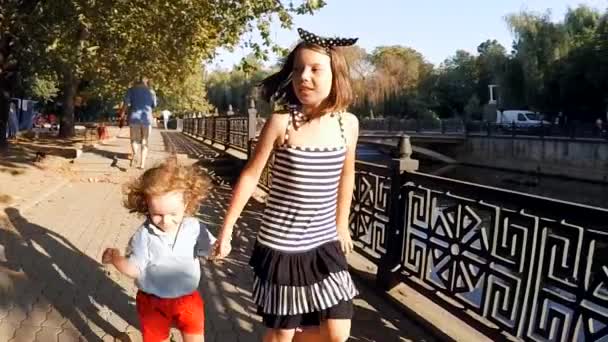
point(236, 87)
point(361, 69)
point(539, 43)
point(398, 71)
point(111, 42)
point(189, 96)
point(456, 83)
point(11, 13)
point(491, 63)
point(41, 88)
point(581, 24)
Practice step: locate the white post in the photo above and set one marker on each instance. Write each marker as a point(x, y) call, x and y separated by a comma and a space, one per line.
point(252, 120)
point(492, 99)
point(406, 163)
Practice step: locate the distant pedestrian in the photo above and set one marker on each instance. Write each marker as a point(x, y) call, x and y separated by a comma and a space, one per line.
point(166, 114)
point(164, 252)
point(599, 126)
point(13, 121)
point(140, 100)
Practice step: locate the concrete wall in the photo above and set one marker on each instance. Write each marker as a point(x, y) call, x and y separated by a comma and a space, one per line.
point(582, 159)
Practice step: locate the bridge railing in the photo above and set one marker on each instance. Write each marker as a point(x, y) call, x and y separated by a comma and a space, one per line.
point(573, 130)
point(507, 263)
point(230, 131)
point(511, 265)
point(413, 125)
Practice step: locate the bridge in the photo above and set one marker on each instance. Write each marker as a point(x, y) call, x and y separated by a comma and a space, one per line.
point(573, 152)
point(495, 264)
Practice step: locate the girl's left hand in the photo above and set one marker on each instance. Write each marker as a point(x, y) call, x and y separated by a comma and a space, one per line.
point(346, 242)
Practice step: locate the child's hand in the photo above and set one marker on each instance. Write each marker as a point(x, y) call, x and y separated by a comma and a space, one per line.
point(221, 248)
point(109, 255)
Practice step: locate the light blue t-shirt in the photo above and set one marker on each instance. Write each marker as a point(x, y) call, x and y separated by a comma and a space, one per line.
point(140, 100)
point(168, 263)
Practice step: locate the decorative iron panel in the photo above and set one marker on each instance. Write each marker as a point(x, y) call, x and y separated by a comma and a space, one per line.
point(534, 267)
point(266, 177)
point(199, 127)
point(221, 130)
point(208, 129)
point(239, 132)
point(370, 209)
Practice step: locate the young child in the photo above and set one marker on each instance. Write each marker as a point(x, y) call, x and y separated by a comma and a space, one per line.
point(301, 286)
point(163, 253)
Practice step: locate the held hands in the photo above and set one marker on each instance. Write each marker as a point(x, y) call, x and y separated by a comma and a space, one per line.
point(109, 255)
point(222, 246)
point(346, 242)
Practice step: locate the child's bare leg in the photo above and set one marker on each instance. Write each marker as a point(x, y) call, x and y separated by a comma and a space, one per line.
point(193, 337)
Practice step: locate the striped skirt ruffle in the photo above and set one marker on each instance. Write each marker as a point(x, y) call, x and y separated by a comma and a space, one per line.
point(295, 300)
point(299, 283)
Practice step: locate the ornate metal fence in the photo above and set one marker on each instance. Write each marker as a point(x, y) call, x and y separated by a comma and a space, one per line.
point(508, 263)
point(232, 132)
point(266, 177)
point(239, 133)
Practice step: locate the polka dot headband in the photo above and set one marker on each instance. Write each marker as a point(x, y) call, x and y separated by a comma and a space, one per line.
point(325, 42)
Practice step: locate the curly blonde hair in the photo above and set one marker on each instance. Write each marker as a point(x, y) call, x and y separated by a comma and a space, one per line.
point(167, 177)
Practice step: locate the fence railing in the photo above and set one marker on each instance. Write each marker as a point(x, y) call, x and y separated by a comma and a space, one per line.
point(512, 265)
point(229, 131)
point(507, 263)
point(574, 130)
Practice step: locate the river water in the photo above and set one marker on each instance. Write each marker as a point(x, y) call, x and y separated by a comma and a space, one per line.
point(554, 187)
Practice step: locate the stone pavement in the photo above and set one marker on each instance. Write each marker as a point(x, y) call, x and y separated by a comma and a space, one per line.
point(53, 288)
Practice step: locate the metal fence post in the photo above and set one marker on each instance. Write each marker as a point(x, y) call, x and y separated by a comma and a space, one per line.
point(386, 276)
point(228, 141)
point(213, 132)
point(252, 115)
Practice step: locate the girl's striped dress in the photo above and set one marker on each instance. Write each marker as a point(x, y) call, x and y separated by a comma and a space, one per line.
point(298, 264)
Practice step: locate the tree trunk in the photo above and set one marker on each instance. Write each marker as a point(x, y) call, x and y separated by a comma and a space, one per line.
point(70, 86)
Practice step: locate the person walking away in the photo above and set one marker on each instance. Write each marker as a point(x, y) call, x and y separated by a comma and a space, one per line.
point(166, 114)
point(140, 100)
point(13, 121)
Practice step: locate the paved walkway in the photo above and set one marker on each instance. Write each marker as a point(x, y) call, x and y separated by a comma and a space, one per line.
point(53, 288)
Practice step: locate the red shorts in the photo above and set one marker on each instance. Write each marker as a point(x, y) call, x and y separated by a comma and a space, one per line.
point(156, 315)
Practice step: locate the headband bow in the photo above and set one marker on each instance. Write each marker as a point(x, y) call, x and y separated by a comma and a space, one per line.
point(325, 42)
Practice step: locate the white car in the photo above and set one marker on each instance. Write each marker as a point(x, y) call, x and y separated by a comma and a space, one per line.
point(520, 119)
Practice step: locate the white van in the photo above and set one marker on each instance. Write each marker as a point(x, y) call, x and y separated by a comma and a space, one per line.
point(522, 119)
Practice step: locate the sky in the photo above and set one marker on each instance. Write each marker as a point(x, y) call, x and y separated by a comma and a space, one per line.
point(435, 28)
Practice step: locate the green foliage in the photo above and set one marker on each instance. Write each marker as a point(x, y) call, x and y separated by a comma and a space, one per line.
point(237, 88)
point(553, 66)
point(41, 87)
point(110, 43)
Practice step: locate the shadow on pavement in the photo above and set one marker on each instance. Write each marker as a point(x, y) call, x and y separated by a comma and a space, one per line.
point(59, 274)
